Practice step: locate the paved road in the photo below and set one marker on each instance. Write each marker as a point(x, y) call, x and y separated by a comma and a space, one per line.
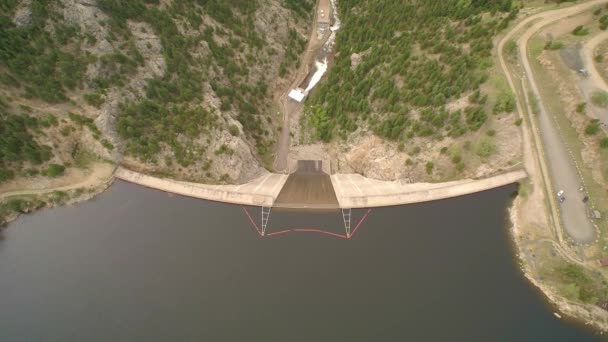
point(563, 172)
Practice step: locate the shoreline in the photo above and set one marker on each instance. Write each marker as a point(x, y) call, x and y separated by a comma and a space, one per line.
point(70, 194)
point(570, 310)
point(575, 312)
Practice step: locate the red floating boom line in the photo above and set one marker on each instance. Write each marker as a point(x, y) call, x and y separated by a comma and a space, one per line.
point(306, 230)
point(360, 223)
point(280, 232)
point(320, 232)
point(257, 229)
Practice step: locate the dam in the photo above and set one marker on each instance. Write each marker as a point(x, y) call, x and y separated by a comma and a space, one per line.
point(311, 187)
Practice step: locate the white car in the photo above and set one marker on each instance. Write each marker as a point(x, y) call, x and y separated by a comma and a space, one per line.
point(560, 196)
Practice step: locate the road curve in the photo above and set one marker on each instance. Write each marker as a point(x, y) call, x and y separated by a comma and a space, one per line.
point(556, 161)
point(588, 53)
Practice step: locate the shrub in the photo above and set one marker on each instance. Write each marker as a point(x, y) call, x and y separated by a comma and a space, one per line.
point(6, 175)
point(604, 143)
point(592, 128)
point(107, 144)
point(234, 130)
point(598, 58)
point(600, 98)
point(55, 170)
point(31, 172)
point(518, 122)
point(485, 147)
point(511, 47)
point(604, 22)
point(429, 167)
point(580, 108)
point(93, 99)
point(553, 45)
point(460, 166)
point(580, 31)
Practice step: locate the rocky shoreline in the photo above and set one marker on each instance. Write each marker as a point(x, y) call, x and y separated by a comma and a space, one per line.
point(589, 315)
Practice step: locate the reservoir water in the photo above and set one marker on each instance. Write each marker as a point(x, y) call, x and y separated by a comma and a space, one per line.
point(138, 265)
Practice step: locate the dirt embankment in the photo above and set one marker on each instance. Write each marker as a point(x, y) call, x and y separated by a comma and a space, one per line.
point(96, 174)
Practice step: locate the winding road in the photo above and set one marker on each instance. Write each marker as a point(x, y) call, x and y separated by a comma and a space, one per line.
point(588, 53)
point(558, 168)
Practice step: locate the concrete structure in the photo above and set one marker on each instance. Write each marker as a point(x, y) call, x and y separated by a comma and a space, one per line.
point(262, 191)
point(309, 187)
point(324, 13)
point(352, 191)
point(297, 95)
point(356, 191)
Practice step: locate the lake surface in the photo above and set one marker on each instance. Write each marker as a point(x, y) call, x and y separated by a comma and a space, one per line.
point(138, 265)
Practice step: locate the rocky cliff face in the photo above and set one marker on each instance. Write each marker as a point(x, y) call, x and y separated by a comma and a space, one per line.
point(176, 88)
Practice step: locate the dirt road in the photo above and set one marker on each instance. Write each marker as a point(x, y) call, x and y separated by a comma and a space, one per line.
point(291, 109)
point(553, 153)
point(100, 173)
point(595, 79)
point(588, 53)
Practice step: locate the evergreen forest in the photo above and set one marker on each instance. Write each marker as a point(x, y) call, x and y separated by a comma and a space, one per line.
point(416, 56)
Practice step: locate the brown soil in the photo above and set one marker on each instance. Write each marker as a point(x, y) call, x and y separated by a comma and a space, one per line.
point(97, 174)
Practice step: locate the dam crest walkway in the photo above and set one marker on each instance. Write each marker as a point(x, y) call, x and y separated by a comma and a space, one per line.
point(309, 187)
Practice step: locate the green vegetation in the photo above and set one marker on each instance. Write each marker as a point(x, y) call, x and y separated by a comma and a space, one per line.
point(505, 103)
point(580, 31)
point(581, 107)
point(37, 60)
point(180, 91)
point(17, 144)
point(429, 167)
point(603, 22)
point(53, 170)
point(145, 124)
point(604, 143)
point(511, 48)
point(598, 58)
point(18, 206)
point(485, 147)
point(593, 127)
point(413, 60)
point(533, 103)
point(553, 45)
point(580, 285)
point(93, 99)
point(600, 98)
point(84, 121)
point(219, 58)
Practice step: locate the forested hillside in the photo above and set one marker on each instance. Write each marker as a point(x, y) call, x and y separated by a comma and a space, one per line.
point(400, 62)
point(182, 87)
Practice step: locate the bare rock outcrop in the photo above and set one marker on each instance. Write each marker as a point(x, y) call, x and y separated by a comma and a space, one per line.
point(23, 13)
